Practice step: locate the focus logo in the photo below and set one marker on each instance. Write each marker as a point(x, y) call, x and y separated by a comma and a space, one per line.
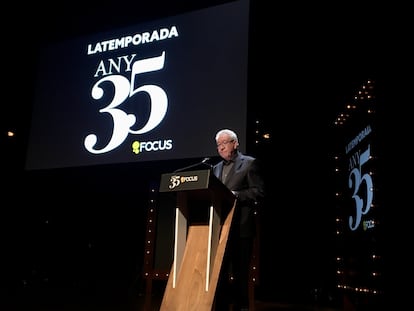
point(156, 145)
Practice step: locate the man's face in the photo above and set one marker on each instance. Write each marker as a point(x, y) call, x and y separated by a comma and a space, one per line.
point(226, 146)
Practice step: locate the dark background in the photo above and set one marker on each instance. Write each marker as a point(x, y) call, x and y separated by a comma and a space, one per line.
point(81, 231)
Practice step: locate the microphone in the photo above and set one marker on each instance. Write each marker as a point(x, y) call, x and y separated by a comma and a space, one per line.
point(202, 163)
point(205, 160)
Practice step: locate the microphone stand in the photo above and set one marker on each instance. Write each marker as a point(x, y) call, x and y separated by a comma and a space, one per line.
point(203, 162)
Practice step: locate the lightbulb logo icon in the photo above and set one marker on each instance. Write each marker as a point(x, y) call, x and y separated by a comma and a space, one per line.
point(135, 147)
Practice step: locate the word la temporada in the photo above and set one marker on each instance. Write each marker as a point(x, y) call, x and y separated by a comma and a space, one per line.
point(136, 39)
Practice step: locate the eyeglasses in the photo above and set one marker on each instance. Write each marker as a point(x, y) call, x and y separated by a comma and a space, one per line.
point(225, 142)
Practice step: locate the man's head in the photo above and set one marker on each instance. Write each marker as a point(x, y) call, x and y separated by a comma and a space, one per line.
point(227, 143)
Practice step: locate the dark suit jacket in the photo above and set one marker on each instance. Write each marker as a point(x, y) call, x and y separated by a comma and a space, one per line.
point(246, 180)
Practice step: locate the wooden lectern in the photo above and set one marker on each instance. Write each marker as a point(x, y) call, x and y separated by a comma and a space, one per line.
point(203, 217)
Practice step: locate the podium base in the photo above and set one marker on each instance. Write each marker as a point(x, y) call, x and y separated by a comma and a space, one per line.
point(190, 291)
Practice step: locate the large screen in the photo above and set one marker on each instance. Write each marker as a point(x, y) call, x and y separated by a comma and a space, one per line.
point(158, 90)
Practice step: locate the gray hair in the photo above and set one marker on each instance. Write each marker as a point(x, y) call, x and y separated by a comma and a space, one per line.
point(231, 133)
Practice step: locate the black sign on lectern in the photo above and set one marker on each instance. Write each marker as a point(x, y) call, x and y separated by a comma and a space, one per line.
point(207, 184)
point(199, 185)
point(190, 180)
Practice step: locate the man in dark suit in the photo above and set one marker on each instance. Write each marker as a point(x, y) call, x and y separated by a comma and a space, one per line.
point(241, 174)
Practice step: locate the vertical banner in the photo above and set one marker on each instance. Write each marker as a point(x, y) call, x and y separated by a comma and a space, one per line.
point(359, 203)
